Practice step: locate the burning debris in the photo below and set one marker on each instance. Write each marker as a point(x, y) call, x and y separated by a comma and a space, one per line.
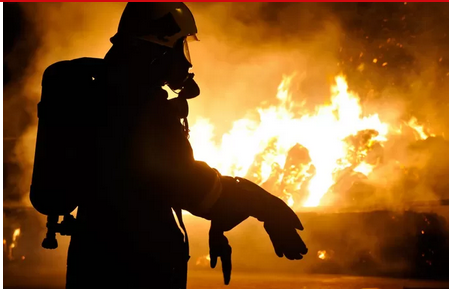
point(322, 254)
point(8, 249)
point(13, 243)
point(303, 156)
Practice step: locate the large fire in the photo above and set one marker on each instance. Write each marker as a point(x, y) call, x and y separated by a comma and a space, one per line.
point(296, 153)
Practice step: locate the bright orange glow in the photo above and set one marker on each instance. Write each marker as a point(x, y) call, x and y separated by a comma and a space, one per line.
point(13, 243)
point(15, 234)
point(364, 168)
point(258, 148)
point(419, 129)
point(203, 261)
point(322, 254)
point(290, 201)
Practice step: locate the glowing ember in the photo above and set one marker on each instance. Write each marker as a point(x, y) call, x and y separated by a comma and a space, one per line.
point(322, 254)
point(203, 261)
point(15, 235)
point(259, 149)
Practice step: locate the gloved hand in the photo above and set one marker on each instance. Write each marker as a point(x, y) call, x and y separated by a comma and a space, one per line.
point(219, 247)
point(241, 198)
point(280, 221)
point(285, 240)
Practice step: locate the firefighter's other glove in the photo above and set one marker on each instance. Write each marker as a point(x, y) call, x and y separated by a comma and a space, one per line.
point(219, 247)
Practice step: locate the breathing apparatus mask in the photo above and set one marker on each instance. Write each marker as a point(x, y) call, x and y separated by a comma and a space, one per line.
point(180, 80)
point(171, 26)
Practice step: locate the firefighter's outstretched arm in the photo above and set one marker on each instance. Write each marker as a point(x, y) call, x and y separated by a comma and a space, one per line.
point(240, 199)
point(228, 201)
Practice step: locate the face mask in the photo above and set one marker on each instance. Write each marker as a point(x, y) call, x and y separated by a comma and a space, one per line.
point(190, 88)
point(180, 78)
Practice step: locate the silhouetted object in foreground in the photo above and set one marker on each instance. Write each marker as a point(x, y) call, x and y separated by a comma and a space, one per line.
point(112, 144)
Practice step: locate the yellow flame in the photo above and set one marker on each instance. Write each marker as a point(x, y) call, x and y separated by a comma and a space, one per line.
point(290, 201)
point(322, 254)
point(15, 234)
point(258, 149)
point(413, 123)
point(13, 243)
point(364, 168)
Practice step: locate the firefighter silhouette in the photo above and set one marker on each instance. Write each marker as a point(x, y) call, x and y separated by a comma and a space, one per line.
point(111, 144)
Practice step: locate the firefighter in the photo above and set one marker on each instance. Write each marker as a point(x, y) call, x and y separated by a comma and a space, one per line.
point(126, 235)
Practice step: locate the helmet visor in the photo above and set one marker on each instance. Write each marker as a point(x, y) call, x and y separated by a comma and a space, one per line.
point(189, 38)
point(186, 51)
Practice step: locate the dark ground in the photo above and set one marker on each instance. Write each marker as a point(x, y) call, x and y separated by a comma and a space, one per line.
point(366, 250)
point(212, 279)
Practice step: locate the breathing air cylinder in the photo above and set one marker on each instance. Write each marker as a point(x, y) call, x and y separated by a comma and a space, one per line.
point(67, 122)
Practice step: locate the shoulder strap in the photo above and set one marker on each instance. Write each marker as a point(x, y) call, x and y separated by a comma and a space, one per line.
point(180, 278)
point(178, 213)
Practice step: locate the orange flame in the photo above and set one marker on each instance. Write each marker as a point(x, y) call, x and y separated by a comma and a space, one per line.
point(322, 254)
point(15, 234)
point(419, 129)
point(258, 149)
point(364, 168)
point(13, 244)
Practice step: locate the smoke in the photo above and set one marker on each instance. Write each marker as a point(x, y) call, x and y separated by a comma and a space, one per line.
point(252, 45)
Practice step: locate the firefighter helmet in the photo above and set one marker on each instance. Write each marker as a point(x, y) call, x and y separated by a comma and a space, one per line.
point(163, 23)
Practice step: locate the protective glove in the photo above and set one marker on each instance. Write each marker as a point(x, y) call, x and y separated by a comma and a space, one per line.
point(280, 221)
point(286, 241)
point(241, 198)
point(219, 247)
